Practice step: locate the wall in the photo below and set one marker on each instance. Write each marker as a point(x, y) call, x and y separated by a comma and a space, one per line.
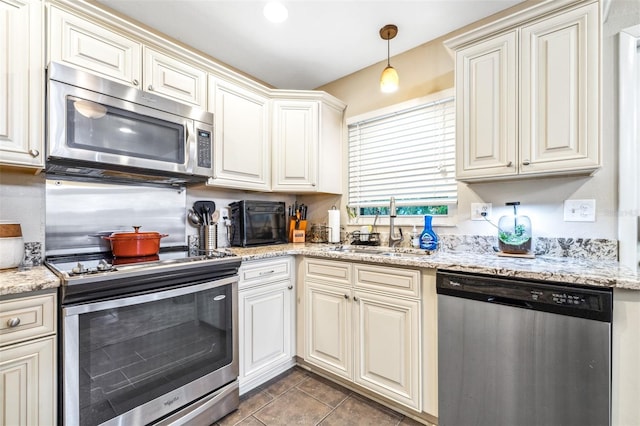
point(22, 200)
point(429, 68)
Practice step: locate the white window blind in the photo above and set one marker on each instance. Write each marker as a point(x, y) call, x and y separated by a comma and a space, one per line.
point(408, 154)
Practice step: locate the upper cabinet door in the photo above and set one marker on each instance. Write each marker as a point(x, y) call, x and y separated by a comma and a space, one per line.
point(242, 154)
point(82, 44)
point(486, 90)
point(560, 92)
point(174, 79)
point(22, 84)
point(295, 145)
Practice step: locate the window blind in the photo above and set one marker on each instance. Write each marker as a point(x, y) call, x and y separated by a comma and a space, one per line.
point(408, 154)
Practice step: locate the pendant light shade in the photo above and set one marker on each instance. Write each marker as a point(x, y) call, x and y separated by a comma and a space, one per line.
point(389, 79)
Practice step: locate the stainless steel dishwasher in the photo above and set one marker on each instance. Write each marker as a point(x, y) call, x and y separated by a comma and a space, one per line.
point(517, 353)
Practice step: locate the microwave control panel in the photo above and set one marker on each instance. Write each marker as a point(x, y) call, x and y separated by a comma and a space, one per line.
point(204, 149)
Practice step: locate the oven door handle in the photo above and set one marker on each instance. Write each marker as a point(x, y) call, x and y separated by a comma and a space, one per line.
point(147, 297)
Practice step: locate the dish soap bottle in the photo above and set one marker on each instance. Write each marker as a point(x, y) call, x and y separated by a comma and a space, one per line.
point(428, 238)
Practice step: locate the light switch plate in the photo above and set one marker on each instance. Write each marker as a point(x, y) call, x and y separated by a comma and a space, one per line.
point(478, 208)
point(580, 210)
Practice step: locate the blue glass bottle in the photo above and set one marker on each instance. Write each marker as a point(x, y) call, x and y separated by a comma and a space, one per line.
point(428, 238)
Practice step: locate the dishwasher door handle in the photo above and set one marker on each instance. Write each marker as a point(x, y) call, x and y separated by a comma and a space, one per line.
point(509, 302)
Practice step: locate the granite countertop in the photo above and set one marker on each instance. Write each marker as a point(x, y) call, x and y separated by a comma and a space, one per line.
point(600, 273)
point(13, 281)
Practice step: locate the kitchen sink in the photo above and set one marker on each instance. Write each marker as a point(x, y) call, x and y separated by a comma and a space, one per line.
point(377, 251)
point(357, 250)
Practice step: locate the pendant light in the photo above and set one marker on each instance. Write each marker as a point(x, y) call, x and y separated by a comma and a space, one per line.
point(389, 79)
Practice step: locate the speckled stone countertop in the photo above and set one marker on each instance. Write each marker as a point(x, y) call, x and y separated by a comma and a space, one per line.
point(13, 281)
point(601, 273)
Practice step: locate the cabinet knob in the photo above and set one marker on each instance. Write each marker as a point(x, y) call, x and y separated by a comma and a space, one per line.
point(34, 152)
point(510, 163)
point(355, 298)
point(135, 82)
point(290, 287)
point(526, 162)
point(150, 88)
point(13, 322)
point(346, 296)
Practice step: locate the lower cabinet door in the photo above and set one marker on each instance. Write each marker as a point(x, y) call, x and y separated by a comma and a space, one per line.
point(266, 321)
point(328, 328)
point(387, 347)
point(27, 383)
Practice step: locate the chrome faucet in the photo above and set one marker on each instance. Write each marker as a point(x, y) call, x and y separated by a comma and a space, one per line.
point(393, 238)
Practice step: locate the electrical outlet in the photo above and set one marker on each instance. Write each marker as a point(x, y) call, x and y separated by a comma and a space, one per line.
point(224, 214)
point(579, 210)
point(478, 208)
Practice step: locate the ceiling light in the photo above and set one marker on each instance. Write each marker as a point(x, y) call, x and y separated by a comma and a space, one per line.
point(275, 12)
point(389, 79)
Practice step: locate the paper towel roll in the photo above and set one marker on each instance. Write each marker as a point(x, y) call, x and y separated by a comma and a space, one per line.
point(334, 226)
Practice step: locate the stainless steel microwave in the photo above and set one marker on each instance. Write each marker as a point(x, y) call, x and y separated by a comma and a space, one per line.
point(98, 128)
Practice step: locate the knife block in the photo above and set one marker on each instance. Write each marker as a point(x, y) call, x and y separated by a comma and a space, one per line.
point(297, 235)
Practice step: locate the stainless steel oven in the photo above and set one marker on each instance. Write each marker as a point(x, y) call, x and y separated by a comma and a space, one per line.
point(148, 343)
point(98, 128)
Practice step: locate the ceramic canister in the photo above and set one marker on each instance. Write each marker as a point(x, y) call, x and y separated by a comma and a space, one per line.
point(11, 245)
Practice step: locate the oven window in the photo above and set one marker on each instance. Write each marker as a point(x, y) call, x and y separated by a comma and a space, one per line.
point(131, 355)
point(102, 128)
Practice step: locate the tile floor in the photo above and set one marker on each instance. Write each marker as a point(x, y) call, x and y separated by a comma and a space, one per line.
point(299, 397)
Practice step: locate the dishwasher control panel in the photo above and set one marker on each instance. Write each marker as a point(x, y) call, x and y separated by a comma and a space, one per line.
point(539, 295)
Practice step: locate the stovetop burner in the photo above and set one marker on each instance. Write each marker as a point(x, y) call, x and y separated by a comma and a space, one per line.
point(96, 263)
point(90, 276)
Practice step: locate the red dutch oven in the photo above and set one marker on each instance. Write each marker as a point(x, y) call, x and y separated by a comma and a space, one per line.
point(135, 244)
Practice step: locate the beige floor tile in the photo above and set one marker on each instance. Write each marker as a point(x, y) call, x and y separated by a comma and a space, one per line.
point(357, 411)
point(285, 382)
point(324, 390)
point(249, 404)
point(293, 408)
point(250, 421)
point(407, 421)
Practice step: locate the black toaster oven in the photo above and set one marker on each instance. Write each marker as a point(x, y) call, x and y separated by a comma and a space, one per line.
point(257, 223)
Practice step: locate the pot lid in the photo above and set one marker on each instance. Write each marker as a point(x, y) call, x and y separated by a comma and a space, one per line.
point(137, 235)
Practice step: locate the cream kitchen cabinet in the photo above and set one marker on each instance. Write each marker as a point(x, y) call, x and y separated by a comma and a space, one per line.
point(242, 143)
point(28, 360)
point(307, 142)
point(174, 78)
point(363, 323)
point(528, 94)
point(95, 47)
point(267, 320)
point(22, 83)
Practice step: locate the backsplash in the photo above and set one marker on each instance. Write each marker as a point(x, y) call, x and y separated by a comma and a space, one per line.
point(579, 248)
point(32, 253)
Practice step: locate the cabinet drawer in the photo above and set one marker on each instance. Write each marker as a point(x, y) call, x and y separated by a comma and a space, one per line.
point(328, 271)
point(31, 317)
point(264, 271)
point(403, 282)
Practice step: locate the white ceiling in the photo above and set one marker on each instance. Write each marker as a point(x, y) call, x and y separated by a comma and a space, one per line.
point(321, 41)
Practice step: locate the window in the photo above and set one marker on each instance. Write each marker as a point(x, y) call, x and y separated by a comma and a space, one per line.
point(408, 152)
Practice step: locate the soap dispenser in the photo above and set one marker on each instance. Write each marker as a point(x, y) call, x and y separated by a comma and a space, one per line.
point(514, 232)
point(415, 238)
